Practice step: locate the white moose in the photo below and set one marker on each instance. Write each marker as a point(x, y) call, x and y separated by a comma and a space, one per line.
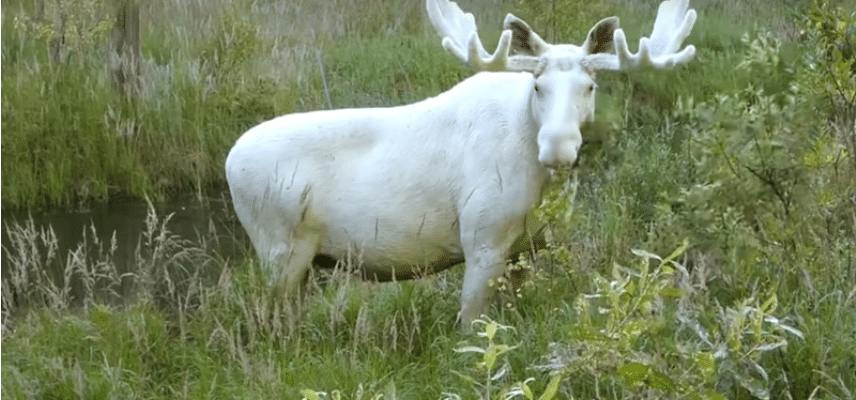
point(418, 188)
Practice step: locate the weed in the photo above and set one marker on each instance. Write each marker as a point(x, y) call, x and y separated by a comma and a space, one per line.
point(746, 153)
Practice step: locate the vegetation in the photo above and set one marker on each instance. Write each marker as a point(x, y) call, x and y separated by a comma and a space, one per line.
point(740, 167)
point(211, 71)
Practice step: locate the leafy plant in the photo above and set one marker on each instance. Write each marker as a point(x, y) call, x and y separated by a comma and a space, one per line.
point(611, 322)
point(490, 356)
point(830, 34)
point(68, 27)
point(731, 351)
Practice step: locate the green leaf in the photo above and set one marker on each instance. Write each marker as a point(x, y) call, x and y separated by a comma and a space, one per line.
point(634, 372)
point(677, 253)
point(527, 391)
point(645, 254)
point(490, 329)
point(706, 363)
point(756, 387)
point(659, 380)
point(770, 305)
point(309, 394)
point(469, 349)
point(490, 357)
point(630, 289)
point(552, 388)
point(502, 348)
point(711, 395)
point(671, 292)
point(467, 378)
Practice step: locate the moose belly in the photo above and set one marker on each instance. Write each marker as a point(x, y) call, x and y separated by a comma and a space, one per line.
point(393, 246)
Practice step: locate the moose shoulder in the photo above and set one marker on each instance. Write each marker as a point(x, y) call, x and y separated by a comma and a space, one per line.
point(417, 188)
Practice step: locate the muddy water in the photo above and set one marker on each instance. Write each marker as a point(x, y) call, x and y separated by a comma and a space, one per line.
point(211, 220)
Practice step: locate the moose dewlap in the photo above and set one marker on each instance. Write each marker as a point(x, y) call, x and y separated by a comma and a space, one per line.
point(418, 188)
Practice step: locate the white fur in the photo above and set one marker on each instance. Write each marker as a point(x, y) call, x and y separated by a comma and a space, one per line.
point(452, 177)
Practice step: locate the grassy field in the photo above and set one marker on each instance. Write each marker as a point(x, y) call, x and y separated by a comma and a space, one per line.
point(704, 248)
point(211, 70)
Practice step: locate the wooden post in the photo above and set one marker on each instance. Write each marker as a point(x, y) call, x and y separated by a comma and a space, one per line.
point(124, 58)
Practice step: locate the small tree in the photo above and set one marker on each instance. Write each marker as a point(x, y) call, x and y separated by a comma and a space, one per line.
point(124, 55)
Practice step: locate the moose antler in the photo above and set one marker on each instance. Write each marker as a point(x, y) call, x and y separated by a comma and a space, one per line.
point(460, 37)
point(673, 24)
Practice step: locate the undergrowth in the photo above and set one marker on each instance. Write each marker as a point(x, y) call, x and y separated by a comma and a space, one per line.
point(210, 71)
point(740, 166)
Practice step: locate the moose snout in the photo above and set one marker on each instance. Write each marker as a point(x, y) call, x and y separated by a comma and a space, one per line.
point(559, 148)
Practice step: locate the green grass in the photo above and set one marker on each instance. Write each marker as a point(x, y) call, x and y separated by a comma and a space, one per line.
point(181, 336)
point(210, 71)
point(744, 160)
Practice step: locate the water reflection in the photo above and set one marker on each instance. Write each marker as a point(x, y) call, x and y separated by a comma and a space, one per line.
point(210, 221)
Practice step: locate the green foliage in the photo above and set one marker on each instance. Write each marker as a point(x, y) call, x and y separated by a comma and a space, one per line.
point(383, 72)
point(66, 27)
point(56, 151)
point(613, 321)
point(562, 21)
point(765, 167)
point(490, 355)
point(743, 160)
point(831, 37)
point(209, 74)
point(227, 52)
point(751, 164)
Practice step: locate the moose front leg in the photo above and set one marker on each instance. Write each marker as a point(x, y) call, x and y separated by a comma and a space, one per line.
point(483, 266)
point(486, 244)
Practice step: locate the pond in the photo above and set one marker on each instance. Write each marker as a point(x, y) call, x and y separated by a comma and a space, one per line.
point(192, 234)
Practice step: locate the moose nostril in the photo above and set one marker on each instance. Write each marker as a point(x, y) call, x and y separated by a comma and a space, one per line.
point(558, 147)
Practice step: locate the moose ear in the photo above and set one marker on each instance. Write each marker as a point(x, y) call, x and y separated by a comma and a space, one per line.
point(523, 39)
point(599, 39)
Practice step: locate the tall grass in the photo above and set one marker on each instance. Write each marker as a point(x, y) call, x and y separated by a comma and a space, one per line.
point(703, 248)
point(175, 333)
point(211, 70)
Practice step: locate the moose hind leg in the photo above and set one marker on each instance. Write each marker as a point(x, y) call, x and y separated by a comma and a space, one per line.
point(288, 264)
